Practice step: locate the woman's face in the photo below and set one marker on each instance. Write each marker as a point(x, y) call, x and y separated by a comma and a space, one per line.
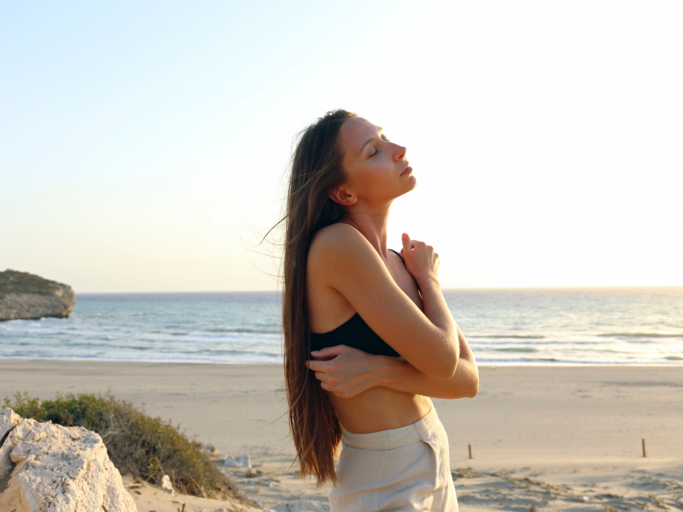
point(376, 168)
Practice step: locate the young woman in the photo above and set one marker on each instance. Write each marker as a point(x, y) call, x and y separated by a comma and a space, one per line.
point(368, 335)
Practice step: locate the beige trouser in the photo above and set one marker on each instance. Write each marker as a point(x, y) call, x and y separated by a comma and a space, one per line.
point(402, 469)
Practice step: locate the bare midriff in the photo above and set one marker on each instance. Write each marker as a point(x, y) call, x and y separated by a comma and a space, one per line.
point(379, 409)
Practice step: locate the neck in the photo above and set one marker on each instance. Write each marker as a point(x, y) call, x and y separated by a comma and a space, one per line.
point(372, 223)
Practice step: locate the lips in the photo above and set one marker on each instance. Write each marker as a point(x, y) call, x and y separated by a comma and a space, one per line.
point(408, 170)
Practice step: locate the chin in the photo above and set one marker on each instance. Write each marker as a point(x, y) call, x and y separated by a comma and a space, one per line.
point(411, 185)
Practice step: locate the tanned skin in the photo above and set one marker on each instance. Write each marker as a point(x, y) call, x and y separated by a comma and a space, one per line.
point(350, 269)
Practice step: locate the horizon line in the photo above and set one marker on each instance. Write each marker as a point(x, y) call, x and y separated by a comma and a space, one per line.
point(450, 288)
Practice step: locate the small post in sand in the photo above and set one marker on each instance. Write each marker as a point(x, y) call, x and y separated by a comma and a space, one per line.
point(644, 448)
point(469, 448)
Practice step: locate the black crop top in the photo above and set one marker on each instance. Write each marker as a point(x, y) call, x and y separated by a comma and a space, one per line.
point(354, 333)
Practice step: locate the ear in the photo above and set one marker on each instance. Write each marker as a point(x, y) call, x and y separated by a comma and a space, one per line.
point(343, 196)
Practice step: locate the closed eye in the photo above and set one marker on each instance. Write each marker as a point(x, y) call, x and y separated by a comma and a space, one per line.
point(384, 138)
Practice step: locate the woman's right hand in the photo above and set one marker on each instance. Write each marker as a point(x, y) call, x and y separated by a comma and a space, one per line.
point(420, 259)
point(347, 372)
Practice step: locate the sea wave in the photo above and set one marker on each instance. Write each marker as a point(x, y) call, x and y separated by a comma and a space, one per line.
point(510, 336)
point(516, 349)
point(246, 330)
point(541, 343)
point(640, 335)
point(542, 361)
point(219, 332)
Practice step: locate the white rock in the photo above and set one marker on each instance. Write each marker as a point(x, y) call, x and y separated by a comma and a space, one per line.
point(208, 447)
point(59, 469)
point(8, 420)
point(166, 484)
point(300, 506)
point(243, 461)
point(6, 462)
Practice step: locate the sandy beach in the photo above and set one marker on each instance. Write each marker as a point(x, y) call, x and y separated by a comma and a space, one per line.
point(542, 437)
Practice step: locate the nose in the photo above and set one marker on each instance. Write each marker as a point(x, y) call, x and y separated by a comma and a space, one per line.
point(400, 153)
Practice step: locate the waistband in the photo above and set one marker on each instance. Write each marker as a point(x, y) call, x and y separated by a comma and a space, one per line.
point(395, 437)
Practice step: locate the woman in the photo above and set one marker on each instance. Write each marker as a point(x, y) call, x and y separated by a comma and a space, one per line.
point(386, 340)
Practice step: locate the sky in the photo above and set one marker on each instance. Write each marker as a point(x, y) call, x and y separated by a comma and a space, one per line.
point(144, 145)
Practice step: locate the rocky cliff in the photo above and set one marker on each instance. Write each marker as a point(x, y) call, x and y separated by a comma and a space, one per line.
point(27, 296)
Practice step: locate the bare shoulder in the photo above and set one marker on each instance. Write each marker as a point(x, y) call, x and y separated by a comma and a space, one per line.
point(337, 240)
point(338, 250)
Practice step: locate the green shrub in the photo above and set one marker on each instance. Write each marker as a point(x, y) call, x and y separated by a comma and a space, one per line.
point(136, 443)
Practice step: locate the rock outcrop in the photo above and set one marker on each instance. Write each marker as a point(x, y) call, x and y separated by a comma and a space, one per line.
point(50, 468)
point(25, 296)
point(300, 506)
point(8, 420)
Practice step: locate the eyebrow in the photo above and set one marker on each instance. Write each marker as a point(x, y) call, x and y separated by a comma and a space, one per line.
point(369, 141)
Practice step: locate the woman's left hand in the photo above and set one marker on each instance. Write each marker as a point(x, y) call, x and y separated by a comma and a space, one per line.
point(345, 371)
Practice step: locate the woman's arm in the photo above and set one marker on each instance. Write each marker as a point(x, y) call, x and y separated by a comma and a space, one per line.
point(352, 371)
point(341, 258)
point(404, 377)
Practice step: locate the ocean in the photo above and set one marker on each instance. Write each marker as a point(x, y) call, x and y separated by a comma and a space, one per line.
point(503, 326)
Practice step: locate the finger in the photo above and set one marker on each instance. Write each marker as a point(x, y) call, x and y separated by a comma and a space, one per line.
point(328, 352)
point(321, 376)
point(334, 390)
point(405, 239)
point(316, 366)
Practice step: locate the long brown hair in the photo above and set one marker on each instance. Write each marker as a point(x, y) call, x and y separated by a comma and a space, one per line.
point(316, 171)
